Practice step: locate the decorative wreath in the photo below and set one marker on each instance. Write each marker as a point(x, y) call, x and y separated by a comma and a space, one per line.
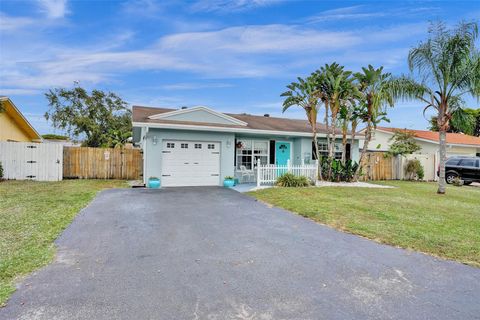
point(239, 145)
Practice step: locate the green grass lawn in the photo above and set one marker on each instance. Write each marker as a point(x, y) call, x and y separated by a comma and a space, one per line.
point(32, 215)
point(409, 216)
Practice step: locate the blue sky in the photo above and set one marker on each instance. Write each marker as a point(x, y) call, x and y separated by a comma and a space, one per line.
point(234, 56)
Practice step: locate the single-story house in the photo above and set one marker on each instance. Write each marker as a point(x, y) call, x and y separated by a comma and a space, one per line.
point(458, 144)
point(13, 125)
point(199, 146)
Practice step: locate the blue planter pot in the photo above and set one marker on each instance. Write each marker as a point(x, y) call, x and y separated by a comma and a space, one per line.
point(154, 183)
point(228, 183)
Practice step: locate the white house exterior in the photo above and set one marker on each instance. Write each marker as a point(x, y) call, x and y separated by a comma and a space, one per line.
point(199, 146)
point(428, 155)
point(457, 144)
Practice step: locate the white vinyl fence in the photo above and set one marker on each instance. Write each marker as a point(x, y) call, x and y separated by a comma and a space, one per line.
point(268, 173)
point(31, 161)
point(429, 163)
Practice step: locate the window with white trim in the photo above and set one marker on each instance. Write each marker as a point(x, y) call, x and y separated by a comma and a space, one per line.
point(184, 146)
point(170, 145)
point(198, 146)
point(249, 151)
point(323, 150)
point(211, 146)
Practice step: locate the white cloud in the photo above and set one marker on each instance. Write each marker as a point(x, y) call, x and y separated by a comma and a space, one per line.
point(248, 51)
point(9, 23)
point(23, 92)
point(275, 38)
point(230, 5)
point(54, 8)
point(362, 12)
point(346, 13)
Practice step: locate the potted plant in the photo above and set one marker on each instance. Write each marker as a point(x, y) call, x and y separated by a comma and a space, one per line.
point(229, 182)
point(153, 182)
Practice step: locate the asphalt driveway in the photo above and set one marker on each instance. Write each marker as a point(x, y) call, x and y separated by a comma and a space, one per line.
point(213, 253)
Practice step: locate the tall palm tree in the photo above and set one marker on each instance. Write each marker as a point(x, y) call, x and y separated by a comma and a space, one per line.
point(305, 94)
point(336, 87)
point(447, 65)
point(374, 86)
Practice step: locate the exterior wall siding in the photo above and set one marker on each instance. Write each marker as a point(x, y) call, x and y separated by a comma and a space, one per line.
point(301, 148)
point(381, 140)
point(9, 130)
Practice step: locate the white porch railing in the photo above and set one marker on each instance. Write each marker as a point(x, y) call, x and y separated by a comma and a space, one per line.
point(269, 173)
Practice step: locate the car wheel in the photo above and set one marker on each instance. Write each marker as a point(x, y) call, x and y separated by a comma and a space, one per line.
point(467, 183)
point(450, 177)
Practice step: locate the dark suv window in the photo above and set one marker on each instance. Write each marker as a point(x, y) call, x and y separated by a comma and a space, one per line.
point(467, 163)
point(453, 161)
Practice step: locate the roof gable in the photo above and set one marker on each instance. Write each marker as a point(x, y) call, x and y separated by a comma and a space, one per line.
point(22, 123)
point(198, 114)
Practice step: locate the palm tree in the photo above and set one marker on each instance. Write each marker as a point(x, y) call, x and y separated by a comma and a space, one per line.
point(374, 86)
point(305, 94)
point(349, 116)
point(447, 65)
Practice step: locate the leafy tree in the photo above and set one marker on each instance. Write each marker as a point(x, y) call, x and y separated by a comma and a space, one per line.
point(446, 67)
point(376, 94)
point(102, 119)
point(304, 94)
point(403, 143)
point(463, 121)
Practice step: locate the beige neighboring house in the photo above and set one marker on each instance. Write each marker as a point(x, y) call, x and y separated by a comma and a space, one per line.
point(457, 145)
point(14, 126)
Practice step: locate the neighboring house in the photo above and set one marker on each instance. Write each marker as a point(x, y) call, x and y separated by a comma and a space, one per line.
point(14, 126)
point(457, 144)
point(200, 146)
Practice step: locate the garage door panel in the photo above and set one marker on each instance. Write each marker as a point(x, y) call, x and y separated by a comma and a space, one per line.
point(196, 164)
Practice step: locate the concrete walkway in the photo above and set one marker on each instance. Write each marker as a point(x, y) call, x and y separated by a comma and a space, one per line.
point(213, 253)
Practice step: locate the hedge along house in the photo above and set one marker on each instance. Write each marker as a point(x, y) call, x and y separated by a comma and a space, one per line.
point(199, 146)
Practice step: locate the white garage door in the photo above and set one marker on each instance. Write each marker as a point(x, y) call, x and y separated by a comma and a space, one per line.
point(190, 163)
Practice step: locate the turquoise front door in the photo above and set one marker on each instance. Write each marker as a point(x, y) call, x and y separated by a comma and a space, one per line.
point(282, 153)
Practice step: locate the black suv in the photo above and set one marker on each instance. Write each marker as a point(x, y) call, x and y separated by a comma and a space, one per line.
point(465, 168)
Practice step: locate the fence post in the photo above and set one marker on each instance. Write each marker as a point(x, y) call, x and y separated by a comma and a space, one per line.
point(258, 171)
point(289, 166)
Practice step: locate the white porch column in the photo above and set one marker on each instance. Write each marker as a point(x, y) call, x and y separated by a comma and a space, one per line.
point(258, 171)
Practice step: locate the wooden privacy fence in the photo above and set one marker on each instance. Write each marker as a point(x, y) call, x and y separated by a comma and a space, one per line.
point(31, 161)
point(102, 163)
point(269, 173)
point(376, 166)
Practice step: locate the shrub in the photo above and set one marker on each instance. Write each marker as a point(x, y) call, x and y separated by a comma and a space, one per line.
point(1, 172)
point(457, 182)
point(420, 173)
point(290, 180)
point(414, 170)
point(340, 171)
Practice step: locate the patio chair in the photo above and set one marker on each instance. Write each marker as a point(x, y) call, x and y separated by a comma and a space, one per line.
point(246, 173)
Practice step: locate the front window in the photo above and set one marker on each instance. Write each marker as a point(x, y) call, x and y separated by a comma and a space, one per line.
point(323, 150)
point(249, 151)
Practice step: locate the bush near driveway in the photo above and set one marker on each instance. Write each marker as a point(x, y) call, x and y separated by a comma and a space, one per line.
point(32, 215)
point(410, 216)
